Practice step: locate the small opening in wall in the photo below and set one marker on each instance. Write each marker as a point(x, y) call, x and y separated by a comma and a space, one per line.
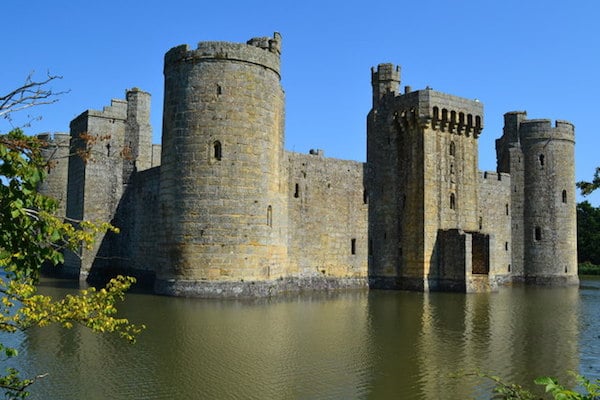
point(538, 233)
point(480, 223)
point(353, 246)
point(452, 149)
point(217, 150)
point(506, 208)
point(508, 267)
point(566, 269)
point(270, 216)
point(108, 149)
point(564, 196)
point(506, 246)
point(542, 158)
point(452, 202)
point(296, 190)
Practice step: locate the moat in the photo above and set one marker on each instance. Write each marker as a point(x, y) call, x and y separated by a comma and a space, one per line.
point(350, 345)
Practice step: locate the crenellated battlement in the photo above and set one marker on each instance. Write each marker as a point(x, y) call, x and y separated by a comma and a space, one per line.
point(385, 81)
point(542, 129)
point(263, 51)
point(492, 177)
point(439, 111)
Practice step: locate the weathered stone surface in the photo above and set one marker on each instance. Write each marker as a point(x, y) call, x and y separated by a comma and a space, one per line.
point(220, 209)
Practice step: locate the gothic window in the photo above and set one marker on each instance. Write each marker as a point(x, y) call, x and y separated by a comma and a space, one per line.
point(217, 150)
point(452, 202)
point(538, 233)
point(564, 196)
point(452, 149)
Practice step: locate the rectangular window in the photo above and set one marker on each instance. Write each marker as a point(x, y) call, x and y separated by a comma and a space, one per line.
point(353, 246)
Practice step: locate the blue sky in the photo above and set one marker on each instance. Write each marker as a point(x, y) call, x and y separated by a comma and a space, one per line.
point(538, 56)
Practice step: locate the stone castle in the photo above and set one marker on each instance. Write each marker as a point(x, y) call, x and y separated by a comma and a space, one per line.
point(220, 209)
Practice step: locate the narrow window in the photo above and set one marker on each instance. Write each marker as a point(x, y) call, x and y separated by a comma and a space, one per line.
point(451, 168)
point(542, 160)
point(217, 150)
point(452, 202)
point(270, 216)
point(452, 150)
point(219, 89)
point(296, 191)
point(506, 207)
point(564, 196)
point(566, 269)
point(436, 114)
point(506, 246)
point(508, 267)
point(538, 233)
point(353, 246)
point(108, 149)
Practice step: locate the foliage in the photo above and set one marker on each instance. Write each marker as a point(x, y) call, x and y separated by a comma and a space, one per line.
point(587, 268)
point(587, 188)
point(588, 233)
point(511, 391)
point(31, 234)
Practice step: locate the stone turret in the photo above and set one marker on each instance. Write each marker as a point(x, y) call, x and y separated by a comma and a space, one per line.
point(221, 194)
point(424, 180)
point(550, 222)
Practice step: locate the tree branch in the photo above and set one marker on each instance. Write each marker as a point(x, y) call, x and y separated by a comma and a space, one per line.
point(31, 93)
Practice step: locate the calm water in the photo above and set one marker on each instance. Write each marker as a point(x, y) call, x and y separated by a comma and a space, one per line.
point(353, 345)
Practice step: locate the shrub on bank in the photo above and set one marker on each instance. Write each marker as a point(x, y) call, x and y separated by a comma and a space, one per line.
point(587, 268)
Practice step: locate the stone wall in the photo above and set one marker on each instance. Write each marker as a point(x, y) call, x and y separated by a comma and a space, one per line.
point(327, 217)
point(56, 151)
point(495, 220)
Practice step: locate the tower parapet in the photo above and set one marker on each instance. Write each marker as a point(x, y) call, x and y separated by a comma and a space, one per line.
point(260, 51)
point(535, 129)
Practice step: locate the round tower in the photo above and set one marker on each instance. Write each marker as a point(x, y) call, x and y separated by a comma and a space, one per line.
point(222, 197)
point(549, 215)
